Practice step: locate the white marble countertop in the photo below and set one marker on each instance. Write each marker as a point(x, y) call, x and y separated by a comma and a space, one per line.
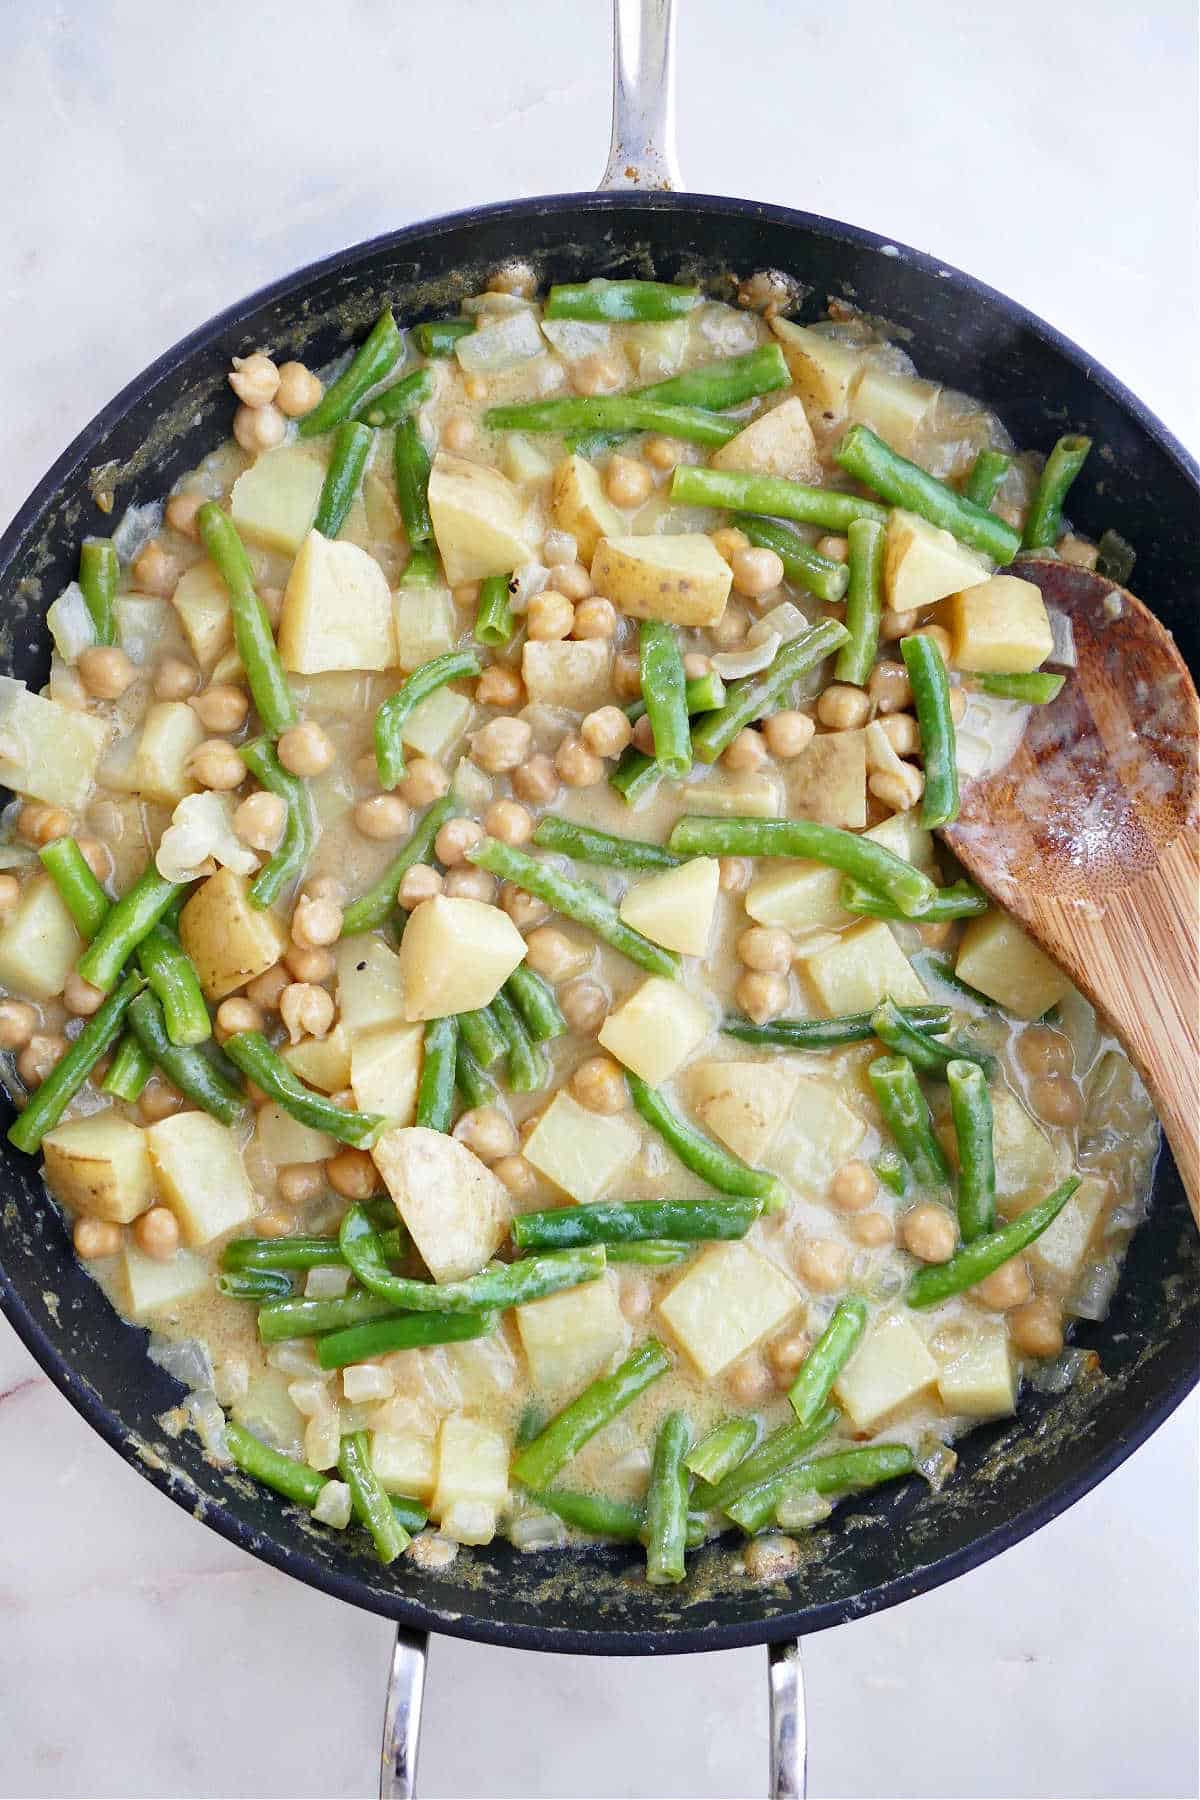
point(161, 161)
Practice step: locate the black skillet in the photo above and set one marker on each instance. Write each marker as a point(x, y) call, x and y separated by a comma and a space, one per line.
point(1013, 1476)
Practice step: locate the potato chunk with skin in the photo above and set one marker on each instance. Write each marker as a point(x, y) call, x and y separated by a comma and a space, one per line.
point(478, 519)
point(455, 956)
point(370, 983)
point(823, 369)
point(200, 1175)
point(581, 1152)
point(656, 1030)
point(677, 577)
point(39, 945)
point(742, 1103)
point(580, 506)
point(569, 1337)
point(456, 1210)
point(894, 406)
point(923, 564)
point(890, 1368)
point(800, 895)
point(820, 1133)
point(337, 610)
point(283, 1139)
point(47, 751)
point(275, 501)
point(385, 1071)
point(1000, 627)
point(828, 780)
point(201, 600)
point(779, 443)
point(154, 763)
point(735, 796)
point(728, 1301)
point(1059, 1254)
point(996, 957)
point(323, 1062)
point(148, 1286)
point(865, 966)
point(981, 1382)
point(228, 939)
point(101, 1167)
point(676, 908)
point(575, 673)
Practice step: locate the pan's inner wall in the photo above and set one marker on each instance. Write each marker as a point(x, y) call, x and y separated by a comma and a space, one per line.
point(1011, 1476)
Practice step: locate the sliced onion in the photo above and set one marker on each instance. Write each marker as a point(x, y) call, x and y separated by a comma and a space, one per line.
point(576, 338)
point(201, 830)
point(332, 1505)
point(727, 330)
point(368, 1381)
point(935, 1461)
point(296, 1357)
point(187, 1360)
point(136, 527)
point(327, 1283)
point(208, 1422)
point(802, 1509)
point(1093, 1295)
point(537, 1531)
point(1058, 1373)
point(560, 547)
point(496, 306)
point(784, 621)
point(1062, 653)
point(70, 623)
point(730, 664)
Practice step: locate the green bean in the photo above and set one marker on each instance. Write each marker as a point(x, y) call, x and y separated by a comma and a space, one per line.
point(190, 1069)
point(421, 569)
point(613, 1221)
point(594, 443)
point(250, 1052)
point(827, 1358)
point(396, 402)
point(124, 926)
point(705, 693)
point(351, 448)
point(435, 1097)
point(375, 358)
point(755, 695)
point(294, 1480)
point(472, 1079)
point(269, 688)
point(982, 1257)
point(923, 1051)
point(254, 1284)
point(906, 1114)
point(782, 1450)
point(577, 900)
point(172, 978)
point(281, 1320)
point(437, 337)
point(373, 907)
point(1043, 527)
point(962, 900)
point(839, 1473)
point(770, 494)
point(80, 892)
point(604, 848)
point(614, 302)
point(904, 483)
point(872, 864)
point(395, 713)
point(524, 1060)
point(971, 1111)
point(1036, 689)
point(594, 1513)
point(928, 676)
point(1115, 557)
point(480, 1032)
point(410, 469)
point(636, 776)
point(719, 1454)
point(494, 621)
point(667, 1503)
point(359, 1343)
point(939, 968)
point(498, 1286)
point(99, 574)
point(822, 576)
point(598, 1405)
point(300, 1252)
point(892, 1170)
point(534, 1000)
point(665, 693)
point(829, 1034)
point(372, 1508)
point(289, 861)
point(129, 1070)
point(719, 1167)
point(987, 472)
point(48, 1102)
point(409, 1513)
point(651, 1253)
point(724, 383)
point(864, 602)
point(615, 412)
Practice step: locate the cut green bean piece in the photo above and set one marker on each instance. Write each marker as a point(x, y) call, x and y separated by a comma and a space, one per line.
point(719, 1167)
point(1043, 527)
point(864, 601)
point(929, 678)
point(636, 776)
point(254, 1284)
point(481, 1033)
point(1036, 689)
point(667, 1503)
point(594, 1513)
point(372, 908)
point(494, 621)
point(281, 1320)
point(615, 302)
point(830, 1034)
point(782, 1450)
point(301, 1252)
point(351, 448)
point(294, 1480)
point(598, 1405)
point(962, 900)
point(940, 968)
point(498, 1286)
point(906, 1114)
point(892, 1170)
point(48, 1102)
point(129, 1070)
point(1115, 557)
point(435, 1096)
point(360, 1343)
point(289, 861)
point(125, 924)
point(577, 900)
point(372, 1508)
point(410, 470)
point(399, 400)
point(376, 357)
point(472, 1079)
point(840, 1473)
point(971, 1111)
point(437, 337)
point(525, 1062)
point(99, 575)
point(724, 383)
point(664, 690)
point(174, 981)
point(872, 864)
point(651, 1253)
point(421, 569)
point(821, 575)
point(981, 1258)
point(705, 693)
point(754, 695)
point(923, 1050)
point(534, 1000)
point(987, 472)
point(614, 1221)
point(395, 713)
point(269, 688)
point(409, 1513)
point(615, 412)
point(250, 1052)
point(604, 848)
point(719, 1454)
point(770, 494)
point(80, 892)
point(827, 1358)
point(902, 483)
point(190, 1069)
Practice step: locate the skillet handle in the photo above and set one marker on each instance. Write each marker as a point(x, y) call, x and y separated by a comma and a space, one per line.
point(642, 151)
point(789, 1736)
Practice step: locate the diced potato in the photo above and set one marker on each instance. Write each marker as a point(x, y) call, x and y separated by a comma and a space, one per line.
point(455, 956)
point(890, 1367)
point(484, 1369)
point(275, 501)
point(149, 1286)
point(404, 1463)
point(230, 940)
point(922, 564)
point(865, 966)
point(820, 1133)
point(676, 907)
point(283, 1139)
point(729, 1299)
point(579, 505)
point(437, 724)
point(425, 625)
point(322, 1062)
point(142, 623)
point(779, 443)
point(456, 1210)
point(996, 957)
point(799, 896)
point(680, 578)
point(47, 751)
point(981, 1382)
point(472, 1466)
point(656, 350)
point(1061, 1251)
point(1027, 1161)
point(385, 1071)
point(39, 945)
point(823, 370)
point(735, 796)
point(370, 985)
point(100, 1166)
point(742, 1103)
point(999, 627)
point(574, 673)
point(202, 601)
point(894, 406)
point(478, 520)
point(580, 1151)
point(656, 1029)
point(523, 460)
point(154, 763)
point(569, 1337)
point(337, 610)
point(200, 1175)
point(828, 780)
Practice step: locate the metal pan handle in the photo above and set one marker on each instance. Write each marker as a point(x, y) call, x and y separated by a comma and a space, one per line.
point(406, 1688)
point(642, 151)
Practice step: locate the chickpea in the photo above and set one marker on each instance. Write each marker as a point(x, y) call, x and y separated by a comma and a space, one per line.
point(466, 594)
point(549, 617)
point(316, 922)
point(1056, 1100)
point(627, 676)
point(735, 873)
point(216, 765)
point(508, 821)
point(80, 997)
point(272, 602)
point(501, 745)
point(525, 910)
point(550, 952)
point(352, 1174)
point(749, 1382)
point(785, 1356)
point(731, 627)
point(471, 884)
point(902, 733)
point(746, 752)
point(824, 1265)
point(871, 1229)
point(175, 679)
point(259, 821)
point(728, 541)
point(889, 687)
point(518, 1176)
point(40, 825)
point(105, 673)
point(788, 733)
point(275, 1224)
point(766, 949)
point(853, 1187)
point(843, 708)
point(40, 1056)
point(893, 624)
point(181, 512)
point(601, 373)
point(18, 1022)
point(571, 579)
point(156, 1233)
point(419, 883)
point(425, 782)
point(636, 1296)
point(627, 482)
point(576, 765)
point(837, 549)
point(536, 781)
point(696, 666)
point(756, 572)
point(1036, 1328)
point(255, 379)
point(498, 686)
point(585, 1006)
point(488, 1132)
point(762, 997)
point(455, 839)
point(937, 935)
point(237, 1014)
point(1008, 1286)
point(94, 1238)
point(595, 618)
point(896, 790)
point(310, 965)
point(305, 750)
point(306, 1010)
point(458, 433)
point(662, 453)
point(958, 704)
point(300, 1183)
point(266, 988)
point(154, 571)
point(299, 390)
point(259, 428)
point(1041, 1050)
point(938, 635)
point(222, 708)
point(927, 1231)
point(159, 1099)
point(643, 736)
point(599, 1084)
point(10, 893)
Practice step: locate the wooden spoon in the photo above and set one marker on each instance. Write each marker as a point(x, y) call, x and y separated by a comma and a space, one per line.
point(1089, 838)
